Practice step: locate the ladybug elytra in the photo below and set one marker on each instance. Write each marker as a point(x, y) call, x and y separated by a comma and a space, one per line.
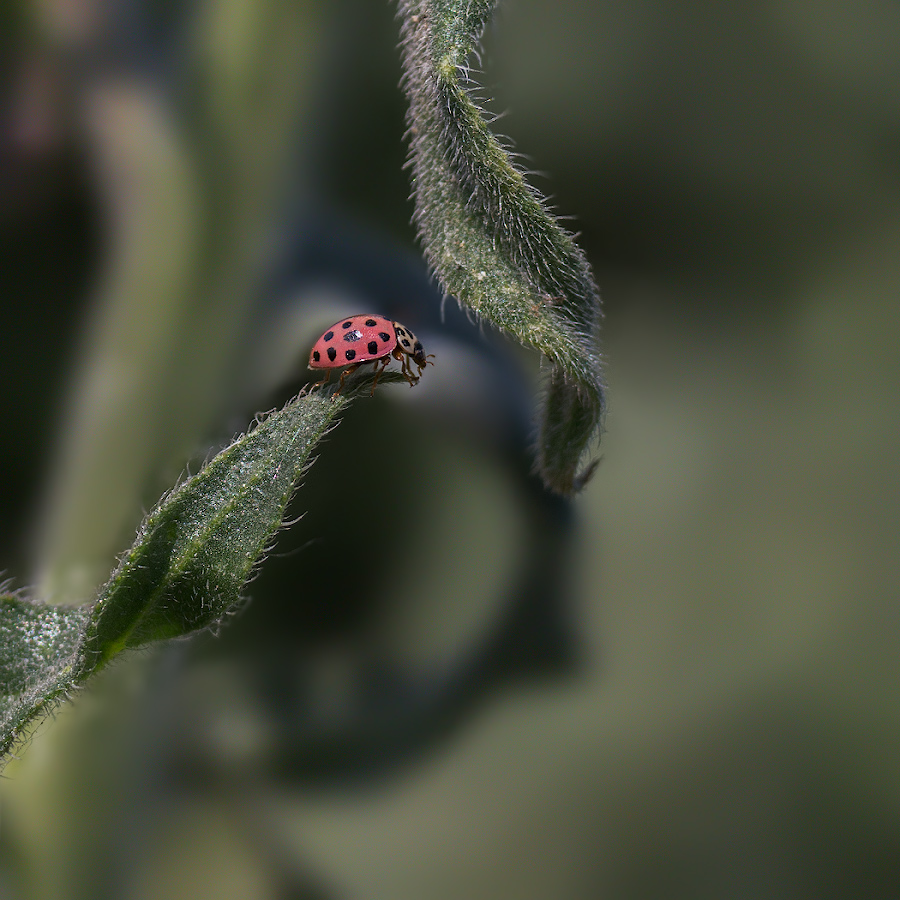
point(364, 338)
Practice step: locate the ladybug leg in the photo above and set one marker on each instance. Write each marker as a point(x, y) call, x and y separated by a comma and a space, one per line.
point(428, 362)
point(405, 367)
point(384, 362)
point(344, 374)
point(324, 380)
point(412, 379)
point(401, 358)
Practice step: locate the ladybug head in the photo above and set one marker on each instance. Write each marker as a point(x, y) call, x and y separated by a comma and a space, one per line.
point(418, 354)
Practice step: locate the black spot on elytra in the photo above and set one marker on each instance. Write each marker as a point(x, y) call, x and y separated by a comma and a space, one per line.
point(418, 347)
point(400, 329)
point(352, 335)
point(405, 342)
point(384, 335)
point(372, 347)
point(371, 323)
point(328, 336)
point(347, 324)
point(350, 354)
point(332, 353)
point(316, 355)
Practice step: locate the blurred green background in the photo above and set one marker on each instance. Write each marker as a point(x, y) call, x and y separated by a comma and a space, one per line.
point(705, 702)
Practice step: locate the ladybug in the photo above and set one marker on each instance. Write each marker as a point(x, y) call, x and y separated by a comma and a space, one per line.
point(363, 339)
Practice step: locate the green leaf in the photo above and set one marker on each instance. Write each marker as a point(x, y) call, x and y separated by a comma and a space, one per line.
point(35, 640)
point(490, 238)
point(186, 570)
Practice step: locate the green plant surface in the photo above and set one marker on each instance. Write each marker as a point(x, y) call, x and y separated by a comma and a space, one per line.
point(490, 238)
point(185, 571)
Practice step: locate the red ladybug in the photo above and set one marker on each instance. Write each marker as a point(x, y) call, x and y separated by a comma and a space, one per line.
point(364, 339)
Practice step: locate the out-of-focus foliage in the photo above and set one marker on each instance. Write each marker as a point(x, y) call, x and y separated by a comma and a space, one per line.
point(196, 549)
point(733, 729)
point(189, 115)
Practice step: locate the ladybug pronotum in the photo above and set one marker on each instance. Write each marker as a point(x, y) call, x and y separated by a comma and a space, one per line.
point(361, 339)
